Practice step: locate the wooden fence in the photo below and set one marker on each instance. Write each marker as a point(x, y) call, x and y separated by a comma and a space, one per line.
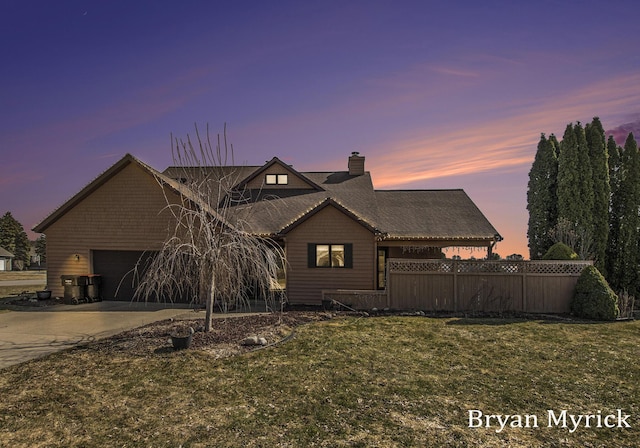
point(491, 286)
point(469, 285)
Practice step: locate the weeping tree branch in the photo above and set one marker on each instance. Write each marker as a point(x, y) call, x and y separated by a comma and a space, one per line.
point(210, 255)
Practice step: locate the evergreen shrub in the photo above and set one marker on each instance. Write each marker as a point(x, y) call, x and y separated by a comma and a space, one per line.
point(594, 299)
point(560, 251)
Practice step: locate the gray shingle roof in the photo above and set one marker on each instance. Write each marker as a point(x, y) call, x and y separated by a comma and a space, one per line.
point(393, 214)
point(432, 214)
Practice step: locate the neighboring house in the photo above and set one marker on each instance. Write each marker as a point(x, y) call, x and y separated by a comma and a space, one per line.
point(336, 229)
point(6, 260)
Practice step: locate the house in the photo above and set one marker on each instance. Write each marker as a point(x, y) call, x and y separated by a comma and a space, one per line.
point(6, 259)
point(336, 229)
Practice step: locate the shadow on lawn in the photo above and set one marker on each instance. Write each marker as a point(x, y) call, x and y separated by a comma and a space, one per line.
point(543, 320)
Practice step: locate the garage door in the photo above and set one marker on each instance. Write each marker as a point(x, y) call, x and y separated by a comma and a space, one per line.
point(116, 268)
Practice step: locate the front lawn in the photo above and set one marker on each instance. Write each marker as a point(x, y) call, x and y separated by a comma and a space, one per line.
point(384, 381)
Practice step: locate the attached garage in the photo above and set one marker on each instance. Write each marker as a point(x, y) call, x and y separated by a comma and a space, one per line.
point(106, 227)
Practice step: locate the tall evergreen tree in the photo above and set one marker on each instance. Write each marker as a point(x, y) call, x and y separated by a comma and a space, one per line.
point(542, 197)
point(41, 248)
point(14, 239)
point(626, 260)
point(598, 157)
point(585, 177)
point(575, 185)
point(615, 213)
point(556, 144)
point(568, 167)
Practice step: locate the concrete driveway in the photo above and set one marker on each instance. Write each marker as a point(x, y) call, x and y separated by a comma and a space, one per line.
point(26, 335)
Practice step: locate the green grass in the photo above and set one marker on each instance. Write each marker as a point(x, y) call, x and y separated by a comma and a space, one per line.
point(393, 381)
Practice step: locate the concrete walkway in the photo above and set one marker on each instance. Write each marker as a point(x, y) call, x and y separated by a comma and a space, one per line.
point(26, 335)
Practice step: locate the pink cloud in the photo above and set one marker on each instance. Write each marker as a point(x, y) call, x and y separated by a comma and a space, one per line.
point(455, 72)
point(500, 142)
point(620, 133)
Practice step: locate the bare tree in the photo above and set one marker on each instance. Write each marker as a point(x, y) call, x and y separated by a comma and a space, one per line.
point(211, 254)
point(577, 238)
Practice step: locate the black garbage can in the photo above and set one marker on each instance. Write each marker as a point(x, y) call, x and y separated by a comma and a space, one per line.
point(94, 287)
point(75, 289)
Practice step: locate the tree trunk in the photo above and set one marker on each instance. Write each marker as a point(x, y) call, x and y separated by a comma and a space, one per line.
point(208, 319)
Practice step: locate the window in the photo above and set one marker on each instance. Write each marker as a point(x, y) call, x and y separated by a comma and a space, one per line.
point(382, 268)
point(330, 255)
point(276, 179)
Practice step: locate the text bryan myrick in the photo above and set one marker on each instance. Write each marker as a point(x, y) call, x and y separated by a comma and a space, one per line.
point(558, 419)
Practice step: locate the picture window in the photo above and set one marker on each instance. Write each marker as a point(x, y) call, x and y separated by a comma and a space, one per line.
point(330, 255)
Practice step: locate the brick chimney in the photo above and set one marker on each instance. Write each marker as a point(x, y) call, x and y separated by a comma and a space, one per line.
point(356, 164)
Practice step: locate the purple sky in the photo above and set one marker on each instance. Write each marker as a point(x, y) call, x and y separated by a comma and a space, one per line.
point(434, 94)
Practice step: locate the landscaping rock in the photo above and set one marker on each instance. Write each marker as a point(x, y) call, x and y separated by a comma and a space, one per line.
point(250, 340)
point(253, 340)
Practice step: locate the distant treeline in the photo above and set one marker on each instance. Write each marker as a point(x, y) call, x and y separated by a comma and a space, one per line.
point(14, 239)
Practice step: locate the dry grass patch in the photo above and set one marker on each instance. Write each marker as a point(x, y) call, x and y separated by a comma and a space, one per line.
point(23, 275)
point(387, 381)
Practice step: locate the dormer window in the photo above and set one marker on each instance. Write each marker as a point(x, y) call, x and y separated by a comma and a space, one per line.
point(276, 179)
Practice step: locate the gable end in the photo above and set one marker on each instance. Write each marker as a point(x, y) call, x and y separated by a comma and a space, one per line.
point(276, 174)
point(327, 203)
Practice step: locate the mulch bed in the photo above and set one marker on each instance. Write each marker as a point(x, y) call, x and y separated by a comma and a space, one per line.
point(224, 340)
point(28, 301)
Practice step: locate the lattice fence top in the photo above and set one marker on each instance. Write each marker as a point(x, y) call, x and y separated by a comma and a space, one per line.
point(482, 266)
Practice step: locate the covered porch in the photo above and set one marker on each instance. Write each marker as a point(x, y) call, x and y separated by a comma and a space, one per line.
point(425, 249)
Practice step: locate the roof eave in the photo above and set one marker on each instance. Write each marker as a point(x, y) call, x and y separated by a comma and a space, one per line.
point(441, 241)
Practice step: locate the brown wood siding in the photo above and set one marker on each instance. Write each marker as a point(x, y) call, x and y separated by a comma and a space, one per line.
point(295, 182)
point(123, 214)
point(328, 226)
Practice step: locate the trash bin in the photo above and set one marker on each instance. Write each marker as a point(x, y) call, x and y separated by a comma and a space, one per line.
point(75, 289)
point(94, 287)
